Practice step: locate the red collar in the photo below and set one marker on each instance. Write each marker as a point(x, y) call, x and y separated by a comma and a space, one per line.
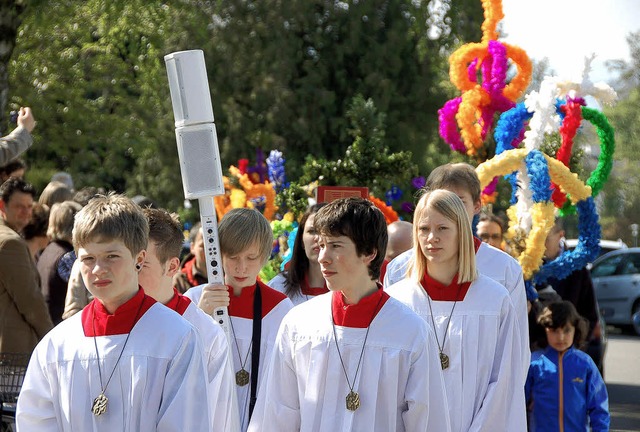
point(315, 291)
point(121, 322)
point(476, 243)
point(441, 292)
point(178, 302)
point(242, 306)
point(359, 315)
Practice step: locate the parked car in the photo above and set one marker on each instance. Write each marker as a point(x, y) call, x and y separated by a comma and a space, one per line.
point(616, 280)
point(606, 246)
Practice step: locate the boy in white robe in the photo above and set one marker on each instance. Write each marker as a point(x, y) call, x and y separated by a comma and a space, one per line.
point(461, 179)
point(472, 316)
point(353, 359)
point(161, 263)
point(125, 363)
point(246, 240)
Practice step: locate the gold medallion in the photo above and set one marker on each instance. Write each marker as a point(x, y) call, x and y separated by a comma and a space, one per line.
point(242, 377)
point(353, 401)
point(444, 360)
point(99, 406)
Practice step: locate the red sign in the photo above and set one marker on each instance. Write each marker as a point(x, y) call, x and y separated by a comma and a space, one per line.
point(332, 193)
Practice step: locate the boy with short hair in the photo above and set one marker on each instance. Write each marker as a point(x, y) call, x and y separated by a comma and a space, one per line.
point(461, 179)
point(126, 362)
point(354, 358)
point(161, 263)
point(246, 240)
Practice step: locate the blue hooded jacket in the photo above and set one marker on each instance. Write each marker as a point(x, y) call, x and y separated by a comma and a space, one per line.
point(567, 391)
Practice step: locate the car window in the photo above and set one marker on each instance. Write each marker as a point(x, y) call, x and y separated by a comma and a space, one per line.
point(632, 265)
point(608, 266)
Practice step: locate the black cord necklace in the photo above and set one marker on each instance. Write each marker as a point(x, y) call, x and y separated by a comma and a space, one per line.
point(444, 359)
point(353, 398)
point(242, 376)
point(99, 405)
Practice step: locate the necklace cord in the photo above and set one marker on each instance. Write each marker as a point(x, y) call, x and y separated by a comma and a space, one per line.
point(335, 339)
point(433, 322)
point(95, 344)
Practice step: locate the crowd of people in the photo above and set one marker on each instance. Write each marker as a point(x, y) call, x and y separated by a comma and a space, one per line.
point(407, 326)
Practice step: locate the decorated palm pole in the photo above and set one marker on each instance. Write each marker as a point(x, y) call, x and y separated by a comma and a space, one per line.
point(479, 71)
point(543, 185)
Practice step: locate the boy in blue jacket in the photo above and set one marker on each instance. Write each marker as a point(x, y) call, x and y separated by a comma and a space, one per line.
point(564, 389)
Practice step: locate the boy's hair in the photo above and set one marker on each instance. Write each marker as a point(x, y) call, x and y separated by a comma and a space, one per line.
point(14, 185)
point(111, 217)
point(451, 207)
point(240, 228)
point(165, 232)
point(299, 263)
point(61, 220)
point(559, 314)
point(458, 175)
point(359, 220)
point(39, 223)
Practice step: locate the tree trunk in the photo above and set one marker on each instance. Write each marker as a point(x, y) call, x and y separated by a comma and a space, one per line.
point(10, 13)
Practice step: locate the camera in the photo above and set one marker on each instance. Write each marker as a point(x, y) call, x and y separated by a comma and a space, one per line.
point(13, 117)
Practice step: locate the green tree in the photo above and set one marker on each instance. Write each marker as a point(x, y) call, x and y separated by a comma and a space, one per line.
point(284, 73)
point(11, 17)
point(95, 75)
point(367, 162)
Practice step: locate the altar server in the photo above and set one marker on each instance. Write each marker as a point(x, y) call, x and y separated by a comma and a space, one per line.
point(255, 309)
point(126, 362)
point(161, 263)
point(353, 359)
point(473, 318)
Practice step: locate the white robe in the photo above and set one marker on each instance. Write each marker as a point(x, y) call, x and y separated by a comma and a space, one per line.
point(243, 329)
point(482, 383)
point(221, 377)
point(278, 283)
point(499, 266)
point(159, 383)
point(399, 382)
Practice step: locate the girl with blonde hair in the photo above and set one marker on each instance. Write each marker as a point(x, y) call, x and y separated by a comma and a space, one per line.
point(471, 315)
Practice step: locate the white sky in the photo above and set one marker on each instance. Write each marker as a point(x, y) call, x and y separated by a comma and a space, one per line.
point(566, 31)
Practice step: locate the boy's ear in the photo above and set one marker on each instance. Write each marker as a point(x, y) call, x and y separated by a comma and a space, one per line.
point(370, 257)
point(140, 257)
point(477, 206)
point(2, 205)
point(173, 266)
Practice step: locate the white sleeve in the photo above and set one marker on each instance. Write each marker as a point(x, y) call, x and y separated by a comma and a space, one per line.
point(515, 286)
point(36, 409)
point(222, 386)
point(503, 405)
point(427, 408)
point(278, 405)
point(185, 402)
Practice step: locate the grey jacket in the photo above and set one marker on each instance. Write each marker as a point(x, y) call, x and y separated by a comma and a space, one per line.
point(14, 144)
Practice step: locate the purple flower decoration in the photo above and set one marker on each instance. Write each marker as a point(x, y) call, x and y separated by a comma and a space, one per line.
point(418, 182)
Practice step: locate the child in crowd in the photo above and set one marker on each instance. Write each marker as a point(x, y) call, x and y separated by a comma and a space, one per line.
point(126, 362)
point(303, 280)
point(255, 309)
point(472, 316)
point(161, 263)
point(564, 388)
point(354, 358)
